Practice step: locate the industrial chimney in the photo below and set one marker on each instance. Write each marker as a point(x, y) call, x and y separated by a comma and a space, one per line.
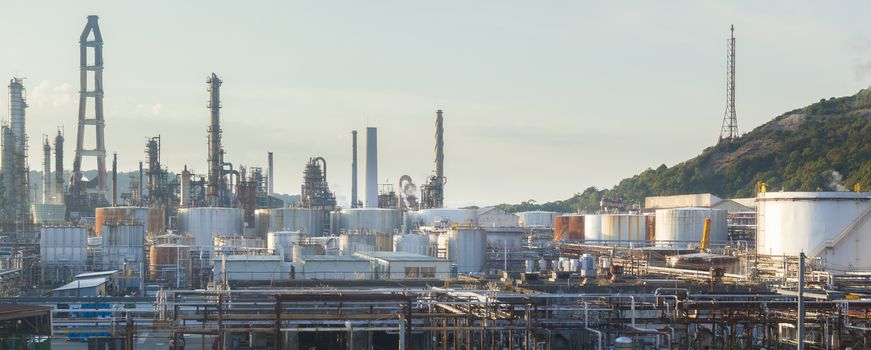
point(269, 173)
point(59, 167)
point(354, 169)
point(46, 171)
point(371, 167)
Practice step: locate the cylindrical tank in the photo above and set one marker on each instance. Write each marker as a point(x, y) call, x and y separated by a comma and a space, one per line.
point(536, 218)
point(379, 220)
point(63, 245)
point(467, 247)
point(411, 243)
point(593, 227)
point(123, 243)
point(831, 225)
point(560, 227)
point(166, 260)
point(151, 218)
point(687, 224)
point(302, 249)
point(313, 222)
point(49, 213)
point(350, 243)
point(624, 227)
point(207, 222)
point(445, 217)
point(542, 264)
point(280, 243)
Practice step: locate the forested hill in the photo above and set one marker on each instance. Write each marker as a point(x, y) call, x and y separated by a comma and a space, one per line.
point(824, 146)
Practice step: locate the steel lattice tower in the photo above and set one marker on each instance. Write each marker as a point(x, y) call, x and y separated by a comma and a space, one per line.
point(729, 130)
point(96, 93)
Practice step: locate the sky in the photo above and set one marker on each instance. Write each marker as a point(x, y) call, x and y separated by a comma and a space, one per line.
point(541, 99)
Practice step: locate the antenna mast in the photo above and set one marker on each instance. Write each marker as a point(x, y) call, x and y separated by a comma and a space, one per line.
point(729, 130)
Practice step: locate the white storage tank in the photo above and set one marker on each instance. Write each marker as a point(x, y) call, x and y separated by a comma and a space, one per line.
point(593, 227)
point(379, 220)
point(831, 225)
point(536, 218)
point(63, 245)
point(685, 225)
point(303, 249)
point(280, 242)
point(205, 223)
point(624, 228)
point(123, 243)
point(350, 243)
point(313, 222)
point(467, 247)
point(411, 243)
point(445, 217)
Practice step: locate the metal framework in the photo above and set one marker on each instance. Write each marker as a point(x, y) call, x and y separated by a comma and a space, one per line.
point(91, 91)
point(433, 191)
point(729, 130)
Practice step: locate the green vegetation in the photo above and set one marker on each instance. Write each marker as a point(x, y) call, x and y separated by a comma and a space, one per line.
point(823, 146)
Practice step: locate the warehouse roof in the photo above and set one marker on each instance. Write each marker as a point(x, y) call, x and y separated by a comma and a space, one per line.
point(83, 283)
point(306, 258)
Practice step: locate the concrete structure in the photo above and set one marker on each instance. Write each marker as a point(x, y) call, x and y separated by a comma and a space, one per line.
point(402, 265)
point(831, 225)
point(331, 267)
point(495, 217)
point(371, 168)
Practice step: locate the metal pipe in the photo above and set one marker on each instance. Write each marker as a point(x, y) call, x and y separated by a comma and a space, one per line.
point(587, 327)
point(800, 324)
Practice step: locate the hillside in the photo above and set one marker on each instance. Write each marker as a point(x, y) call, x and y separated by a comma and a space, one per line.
point(823, 146)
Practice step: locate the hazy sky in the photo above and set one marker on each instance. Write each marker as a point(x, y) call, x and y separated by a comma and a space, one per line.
point(542, 98)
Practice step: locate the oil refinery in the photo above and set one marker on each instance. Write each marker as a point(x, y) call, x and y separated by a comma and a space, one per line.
point(218, 260)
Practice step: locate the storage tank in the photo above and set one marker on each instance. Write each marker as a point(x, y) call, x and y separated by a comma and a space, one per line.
point(63, 245)
point(305, 249)
point(151, 218)
point(572, 227)
point(379, 220)
point(280, 243)
point(205, 223)
point(313, 222)
point(685, 225)
point(831, 225)
point(168, 259)
point(467, 247)
point(593, 227)
point(350, 243)
point(123, 243)
point(624, 227)
point(49, 213)
point(446, 217)
point(536, 218)
point(411, 243)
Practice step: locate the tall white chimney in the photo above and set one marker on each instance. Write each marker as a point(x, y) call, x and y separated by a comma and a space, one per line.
point(371, 168)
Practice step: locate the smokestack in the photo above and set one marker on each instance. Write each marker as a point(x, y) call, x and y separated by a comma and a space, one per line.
point(141, 196)
point(440, 145)
point(46, 171)
point(269, 173)
point(371, 167)
point(59, 167)
point(354, 169)
point(186, 187)
point(216, 186)
point(115, 179)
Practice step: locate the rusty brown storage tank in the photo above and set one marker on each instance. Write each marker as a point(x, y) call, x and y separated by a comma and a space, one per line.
point(168, 259)
point(151, 218)
point(560, 226)
point(568, 227)
point(651, 226)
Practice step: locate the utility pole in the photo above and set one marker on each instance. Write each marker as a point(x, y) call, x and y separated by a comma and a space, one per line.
point(800, 324)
